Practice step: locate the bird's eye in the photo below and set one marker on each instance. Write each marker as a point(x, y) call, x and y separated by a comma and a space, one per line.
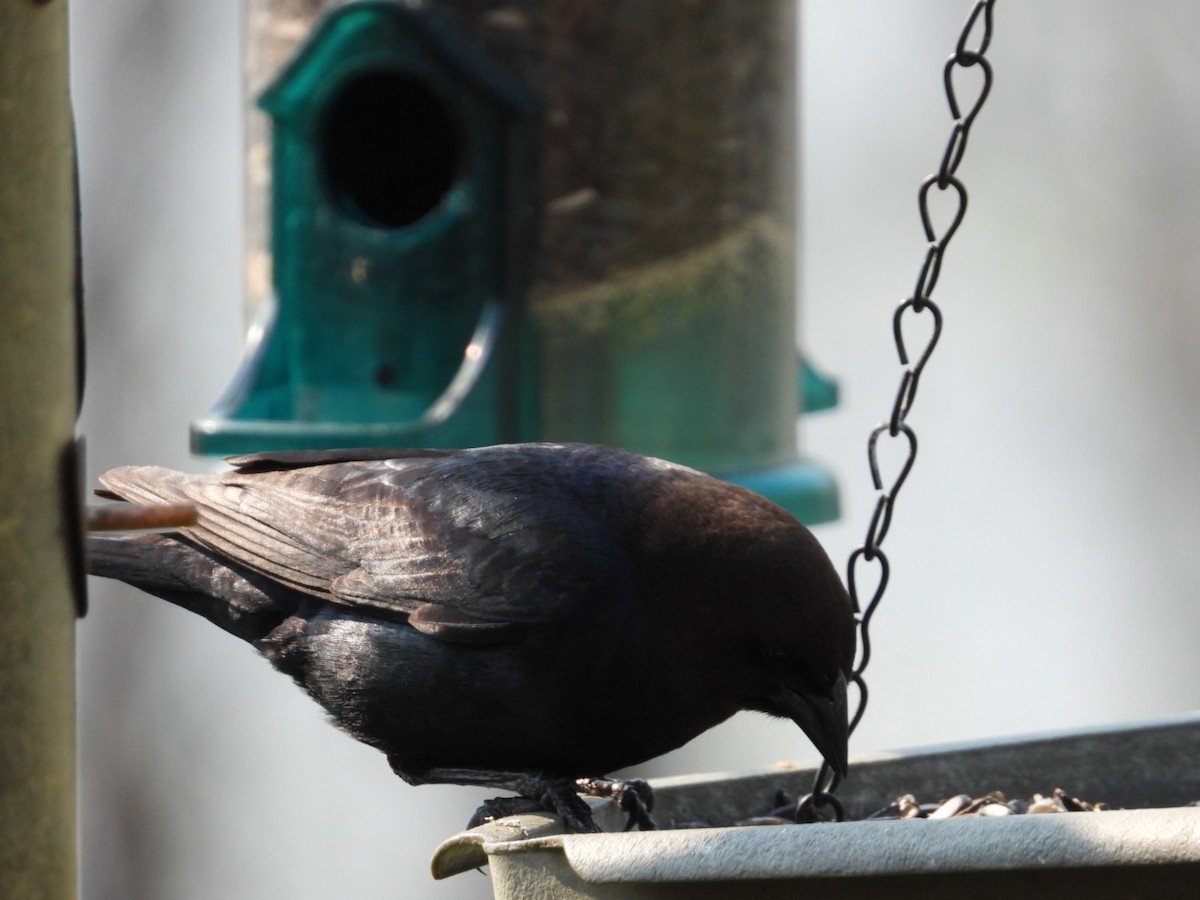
point(773, 655)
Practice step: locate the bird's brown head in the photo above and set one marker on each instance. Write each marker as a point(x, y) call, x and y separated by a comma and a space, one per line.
point(782, 635)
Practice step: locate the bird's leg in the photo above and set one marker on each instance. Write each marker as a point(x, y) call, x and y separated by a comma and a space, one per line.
point(632, 796)
point(541, 791)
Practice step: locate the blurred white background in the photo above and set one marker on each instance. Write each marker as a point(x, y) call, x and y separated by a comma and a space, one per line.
point(1041, 550)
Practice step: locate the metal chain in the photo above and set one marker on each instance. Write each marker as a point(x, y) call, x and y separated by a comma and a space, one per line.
point(871, 552)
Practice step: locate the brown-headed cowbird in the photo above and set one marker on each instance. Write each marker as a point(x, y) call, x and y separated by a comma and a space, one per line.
point(524, 617)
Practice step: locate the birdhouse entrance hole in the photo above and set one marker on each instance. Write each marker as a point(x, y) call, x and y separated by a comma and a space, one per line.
point(390, 149)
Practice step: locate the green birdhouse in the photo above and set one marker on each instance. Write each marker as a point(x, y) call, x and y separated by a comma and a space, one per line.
point(397, 210)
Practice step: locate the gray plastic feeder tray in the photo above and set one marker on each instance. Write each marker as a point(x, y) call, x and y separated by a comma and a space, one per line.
point(1149, 848)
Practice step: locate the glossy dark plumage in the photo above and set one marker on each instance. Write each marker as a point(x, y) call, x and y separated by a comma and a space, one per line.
point(517, 616)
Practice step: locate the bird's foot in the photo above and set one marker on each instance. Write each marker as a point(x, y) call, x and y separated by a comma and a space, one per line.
point(540, 793)
point(633, 796)
point(502, 807)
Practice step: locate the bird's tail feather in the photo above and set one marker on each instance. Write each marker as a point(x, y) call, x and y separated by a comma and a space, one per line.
point(146, 484)
point(188, 576)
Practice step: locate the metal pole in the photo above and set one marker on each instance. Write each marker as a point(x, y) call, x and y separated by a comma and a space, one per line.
point(38, 399)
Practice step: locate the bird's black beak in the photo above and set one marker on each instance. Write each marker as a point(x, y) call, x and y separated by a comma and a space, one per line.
point(824, 720)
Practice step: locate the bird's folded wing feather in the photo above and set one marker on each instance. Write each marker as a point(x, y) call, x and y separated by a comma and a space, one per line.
point(364, 535)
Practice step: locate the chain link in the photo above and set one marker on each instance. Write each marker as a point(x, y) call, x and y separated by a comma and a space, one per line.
point(979, 23)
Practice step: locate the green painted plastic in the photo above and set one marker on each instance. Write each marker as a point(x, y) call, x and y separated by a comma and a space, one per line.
point(817, 390)
point(396, 152)
point(402, 188)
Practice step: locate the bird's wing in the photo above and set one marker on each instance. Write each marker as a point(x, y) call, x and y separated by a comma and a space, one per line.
point(465, 558)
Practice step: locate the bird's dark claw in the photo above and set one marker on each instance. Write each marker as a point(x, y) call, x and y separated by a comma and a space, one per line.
point(501, 807)
point(540, 793)
point(633, 796)
point(537, 792)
